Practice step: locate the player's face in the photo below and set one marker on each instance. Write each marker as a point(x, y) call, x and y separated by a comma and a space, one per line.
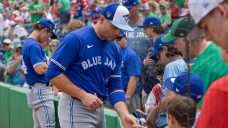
point(215, 26)
point(110, 32)
point(45, 35)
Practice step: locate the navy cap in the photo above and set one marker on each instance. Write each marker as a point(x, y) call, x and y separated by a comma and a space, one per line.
point(130, 3)
point(179, 85)
point(49, 25)
point(117, 14)
point(158, 47)
point(150, 22)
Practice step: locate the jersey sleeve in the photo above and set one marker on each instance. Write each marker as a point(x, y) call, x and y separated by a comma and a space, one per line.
point(65, 55)
point(116, 92)
point(37, 55)
point(134, 66)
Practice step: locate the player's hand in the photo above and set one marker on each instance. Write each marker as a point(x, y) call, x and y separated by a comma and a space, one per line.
point(91, 101)
point(148, 61)
point(128, 121)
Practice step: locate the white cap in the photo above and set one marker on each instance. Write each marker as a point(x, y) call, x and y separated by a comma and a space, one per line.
point(200, 8)
point(7, 41)
point(118, 15)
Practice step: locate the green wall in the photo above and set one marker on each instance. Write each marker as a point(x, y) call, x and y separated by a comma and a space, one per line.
point(14, 112)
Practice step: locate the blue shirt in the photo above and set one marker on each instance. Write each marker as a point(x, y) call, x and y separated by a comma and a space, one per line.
point(32, 55)
point(173, 69)
point(131, 66)
point(17, 78)
point(90, 63)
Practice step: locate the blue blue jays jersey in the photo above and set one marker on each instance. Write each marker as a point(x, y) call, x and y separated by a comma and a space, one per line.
point(89, 62)
point(32, 55)
point(131, 66)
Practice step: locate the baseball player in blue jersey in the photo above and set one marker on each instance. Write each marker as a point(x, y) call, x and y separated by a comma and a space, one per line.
point(86, 67)
point(40, 96)
point(130, 73)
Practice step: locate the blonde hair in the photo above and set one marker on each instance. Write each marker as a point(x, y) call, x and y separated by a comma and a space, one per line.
point(74, 24)
point(54, 41)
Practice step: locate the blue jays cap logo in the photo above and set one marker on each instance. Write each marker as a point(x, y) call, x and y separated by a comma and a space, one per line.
point(126, 17)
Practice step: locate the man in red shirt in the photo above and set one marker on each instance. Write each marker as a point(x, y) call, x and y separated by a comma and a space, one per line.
point(174, 9)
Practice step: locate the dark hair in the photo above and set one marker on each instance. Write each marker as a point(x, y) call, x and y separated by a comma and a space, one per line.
point(38, 27)
point(158, 29)
point(172, 51)
point(183, 109)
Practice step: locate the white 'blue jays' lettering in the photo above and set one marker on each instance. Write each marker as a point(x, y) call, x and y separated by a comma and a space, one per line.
point(97, 61)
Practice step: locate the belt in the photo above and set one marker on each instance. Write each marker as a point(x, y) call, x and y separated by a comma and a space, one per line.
point(102, 99)
point(39, 85)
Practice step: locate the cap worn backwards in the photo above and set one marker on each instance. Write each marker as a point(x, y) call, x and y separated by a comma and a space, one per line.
point(179, 85)
point(151, 21)
point(180, 28)
point(200, 8)
point(49, 25)
point(118, 15)
point(158, 47)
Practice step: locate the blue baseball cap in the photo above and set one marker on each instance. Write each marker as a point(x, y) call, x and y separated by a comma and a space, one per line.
point(150, 22)
point(117, 14)
point(179, 85)
point(49, 25)
point(158, 47)
point(130, 3)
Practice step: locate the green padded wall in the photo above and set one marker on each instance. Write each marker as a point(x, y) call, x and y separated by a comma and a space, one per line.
point(4, 105)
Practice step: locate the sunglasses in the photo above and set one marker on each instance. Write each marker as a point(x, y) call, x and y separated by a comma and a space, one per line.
point(53, 45)
point(119, 38)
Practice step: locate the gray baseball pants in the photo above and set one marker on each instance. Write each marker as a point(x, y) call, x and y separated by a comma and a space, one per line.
point(41, 100)
point(73, 114)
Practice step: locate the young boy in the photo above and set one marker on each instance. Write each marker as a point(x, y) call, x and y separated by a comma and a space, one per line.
point(181, 112)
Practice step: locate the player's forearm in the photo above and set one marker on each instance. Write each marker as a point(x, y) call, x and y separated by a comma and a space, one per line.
point(121, 109)
point(65, 85)
point(132, 83)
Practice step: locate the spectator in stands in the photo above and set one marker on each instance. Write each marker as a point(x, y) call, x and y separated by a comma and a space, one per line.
point(175, 10)
point(165, 54)
point(152, 72)
point(53, 45)
point(63, 11)
point(13, 68)
point(165, 16)
point(74, 24)
point(145, 10)
point(213, 64)
point(37, 11)
point(130, 74)
point(154, 10)
point(25, 14)
point(8, 50)
point(181, 112)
